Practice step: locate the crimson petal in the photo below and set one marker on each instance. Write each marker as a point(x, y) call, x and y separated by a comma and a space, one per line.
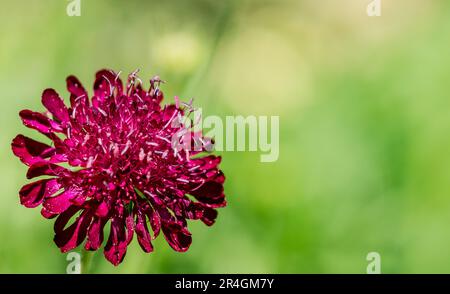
point(45, 169)
point(30, 151)
point(95, 234)
point(210, 193)
point(129, 223)
point(106, 83)
point(76, 90)
point(209, 216)
point(54, 104)
point(31, 195)
point(116, 246)
point(142, 233)
point(74, 235)
point(60, 202)
point(111, 78)
point(178, 237)
point(153, 216)
point(39, 122)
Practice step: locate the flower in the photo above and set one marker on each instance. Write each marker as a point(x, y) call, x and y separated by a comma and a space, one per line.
point(112, 160)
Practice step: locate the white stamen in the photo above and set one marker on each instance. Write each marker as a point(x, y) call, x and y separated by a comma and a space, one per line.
point(141, 155)
point(86, 138)
point(194, 168)
point(90, 161)
point(162, 138)
point(126, 147)
point(79, 97)
point(74, 111)
point(170, 120)
point(102, 111)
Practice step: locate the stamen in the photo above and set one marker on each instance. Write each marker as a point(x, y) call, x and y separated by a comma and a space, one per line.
point(102, 111)
point(126, 147)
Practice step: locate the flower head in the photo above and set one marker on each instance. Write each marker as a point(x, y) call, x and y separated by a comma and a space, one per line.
point(112, 162)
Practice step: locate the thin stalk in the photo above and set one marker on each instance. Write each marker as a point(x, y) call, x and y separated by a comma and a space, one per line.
point(86, 261)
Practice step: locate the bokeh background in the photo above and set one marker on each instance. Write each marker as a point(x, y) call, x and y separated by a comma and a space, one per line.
point(364, 110)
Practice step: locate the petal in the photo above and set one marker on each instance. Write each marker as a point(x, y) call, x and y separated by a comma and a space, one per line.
point(178, 237)
point(153, 216)
point(209, 216)
point(95, 234)
point(142, 233)
point(111, 78)
point(155, 222)
point(102, 210)
point(210, 193)
point(207, 162)
point(30, 151)
point(64, 217)
point(106, 83)
point(200, 211)
point(39, 122)
point(33, 194)
point(60, 202)
point(47, 214)
point(45, 169)
point(77, 91)
point(79, 101)
point(168, 112)
point(129, 222)
point(54, 104)
point(74, 235)
point(116, 246)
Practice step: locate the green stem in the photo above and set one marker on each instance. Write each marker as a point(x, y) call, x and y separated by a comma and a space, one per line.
point(86, 261)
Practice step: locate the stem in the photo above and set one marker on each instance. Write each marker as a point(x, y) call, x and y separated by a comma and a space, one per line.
point(86, 261)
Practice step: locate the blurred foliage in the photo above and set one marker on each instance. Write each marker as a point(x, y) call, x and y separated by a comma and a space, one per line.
point(364, 115)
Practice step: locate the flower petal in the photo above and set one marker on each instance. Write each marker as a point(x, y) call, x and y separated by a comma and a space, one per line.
point(106, 83)
point(39, 122)
point(47, 214)
point(74, 235)
point(142, 233)
point(116, 246)
point(153, 216)
point(45, 169)
point(178, 237)
point(210, 193)
point(30, 151)
point(207, 162)
point(209, 216)
point(95, 234)
point(77, 91)
point(31, 195)
point(102, 210)
point(112, 78)
point(54, 104)
point(197, 210)
point(64, 217)
point(59, 203)
point(129, 223)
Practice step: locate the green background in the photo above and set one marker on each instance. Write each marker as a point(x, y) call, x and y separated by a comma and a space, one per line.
point(364, 126)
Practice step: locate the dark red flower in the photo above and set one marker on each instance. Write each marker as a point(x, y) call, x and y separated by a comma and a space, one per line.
point(120, 166)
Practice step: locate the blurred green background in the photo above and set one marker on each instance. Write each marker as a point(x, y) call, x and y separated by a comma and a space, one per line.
point(364, 110)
